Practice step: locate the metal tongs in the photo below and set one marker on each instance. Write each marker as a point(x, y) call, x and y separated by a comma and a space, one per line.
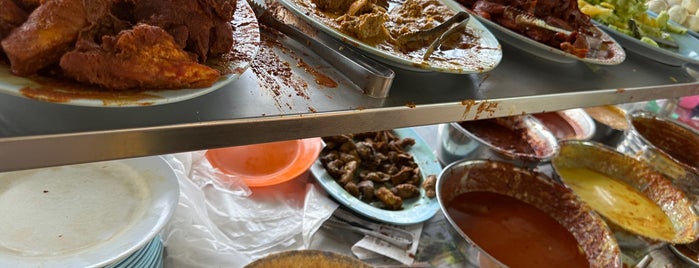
point(373, 78)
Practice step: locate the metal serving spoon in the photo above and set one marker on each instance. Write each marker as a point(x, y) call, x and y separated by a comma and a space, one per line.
point(436, 34)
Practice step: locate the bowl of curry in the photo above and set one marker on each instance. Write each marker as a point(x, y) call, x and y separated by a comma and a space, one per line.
point(629, 193)
point(519, 218)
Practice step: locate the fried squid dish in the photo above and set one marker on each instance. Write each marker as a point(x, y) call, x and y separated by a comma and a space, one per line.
point(118, 44)
point(562, 14)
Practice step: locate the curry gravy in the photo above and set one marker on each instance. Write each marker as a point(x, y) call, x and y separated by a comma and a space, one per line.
point(514, 232)
point(619, 202)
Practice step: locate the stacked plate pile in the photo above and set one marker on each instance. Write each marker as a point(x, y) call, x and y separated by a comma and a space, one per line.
point(104, 214)
point(149, 256)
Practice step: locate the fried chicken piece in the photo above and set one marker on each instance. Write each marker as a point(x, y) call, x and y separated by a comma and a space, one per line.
point(390, 200)
point(429, 185)
point(405, 191)
point(50, 31)
point(144, 57)
point(199, 26)
point(11, 16)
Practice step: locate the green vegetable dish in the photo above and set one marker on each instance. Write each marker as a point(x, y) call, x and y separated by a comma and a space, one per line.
point(631, 17)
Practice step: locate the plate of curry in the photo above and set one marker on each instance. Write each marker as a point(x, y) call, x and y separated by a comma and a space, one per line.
point(379, 28)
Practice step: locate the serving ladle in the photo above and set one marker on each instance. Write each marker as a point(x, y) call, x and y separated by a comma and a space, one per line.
point(436, 34)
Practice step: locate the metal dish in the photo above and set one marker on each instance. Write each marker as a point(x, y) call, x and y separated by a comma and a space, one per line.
point(592, 234)
point(638, 175)
point(610, 123)
point(307, 258)
point(687, 253)
point(666, 144)
point(577, 119)
point(458, 143)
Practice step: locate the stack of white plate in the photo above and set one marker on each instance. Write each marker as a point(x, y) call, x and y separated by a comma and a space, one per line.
point(150, 256)
point(87, 215)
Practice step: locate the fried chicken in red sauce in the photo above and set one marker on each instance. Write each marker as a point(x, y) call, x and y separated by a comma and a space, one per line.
point(96, 42)
point(199, 26)
point(50, 31)
point(564, 14)
point(144, 57)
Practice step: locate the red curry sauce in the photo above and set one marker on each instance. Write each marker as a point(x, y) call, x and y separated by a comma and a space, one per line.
point(514, 232)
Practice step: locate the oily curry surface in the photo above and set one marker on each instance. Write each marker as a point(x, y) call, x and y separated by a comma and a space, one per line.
point(384, 25)
point(514, 232)
point(619, 203)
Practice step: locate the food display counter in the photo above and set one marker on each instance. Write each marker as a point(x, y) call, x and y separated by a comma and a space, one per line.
point(250, 110)
point(313, 98)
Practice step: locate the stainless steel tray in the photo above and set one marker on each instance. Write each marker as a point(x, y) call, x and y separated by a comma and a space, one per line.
point(37, 134)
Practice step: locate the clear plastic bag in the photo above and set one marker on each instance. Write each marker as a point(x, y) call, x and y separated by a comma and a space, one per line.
point(220, 222)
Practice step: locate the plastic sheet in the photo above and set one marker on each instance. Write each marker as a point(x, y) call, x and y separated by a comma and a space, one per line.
point(220, 222)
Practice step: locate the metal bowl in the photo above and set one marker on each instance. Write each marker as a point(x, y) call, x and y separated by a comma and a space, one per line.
point(458, 143)
point(561, 122)
point(671, 199)
point(610, 123)
point(668, 145)
point(591, 232)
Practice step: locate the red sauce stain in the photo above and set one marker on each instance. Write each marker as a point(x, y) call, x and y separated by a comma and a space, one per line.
point(468, 104)
point(559, 125)
point(486, 107)
point(620, 90)
point(505, 138)
point(274, 74)
point(320, 78)
point(63, 91)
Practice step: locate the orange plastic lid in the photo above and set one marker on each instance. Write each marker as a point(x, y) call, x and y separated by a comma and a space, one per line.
point(266, 163)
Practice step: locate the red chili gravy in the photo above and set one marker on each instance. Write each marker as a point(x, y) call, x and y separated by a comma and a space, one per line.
point(514, 232)
point(559, 125)
point(500, 136)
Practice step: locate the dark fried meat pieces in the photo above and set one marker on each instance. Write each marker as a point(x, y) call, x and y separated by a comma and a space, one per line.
point(199, 26)
point(145, 57)
point(95, 41)
point(374, 167)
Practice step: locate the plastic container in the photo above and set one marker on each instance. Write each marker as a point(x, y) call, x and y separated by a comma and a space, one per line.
point(266, 164)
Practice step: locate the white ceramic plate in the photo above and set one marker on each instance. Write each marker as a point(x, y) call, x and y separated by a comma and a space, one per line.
point(86, 215)
point(482, 57)
point(246, 34)
point(687, 53)
point(415, 210)
point(547, 52)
